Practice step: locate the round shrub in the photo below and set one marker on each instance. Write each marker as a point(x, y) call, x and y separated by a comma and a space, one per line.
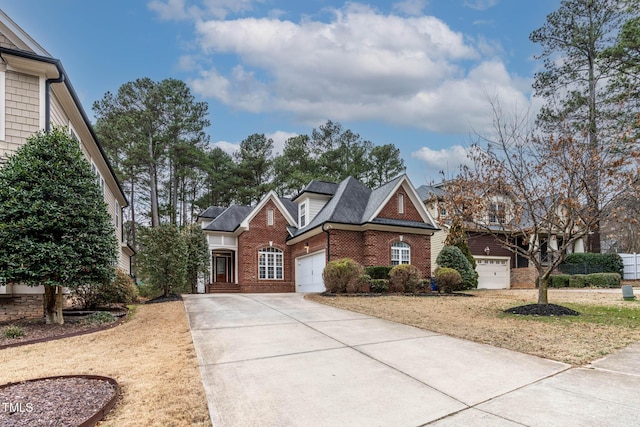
point(378, 271)
point(341, 275)
point(448, 279)
point(452, 257)
point(379, 285)
point(404, 278)
point(121, 291)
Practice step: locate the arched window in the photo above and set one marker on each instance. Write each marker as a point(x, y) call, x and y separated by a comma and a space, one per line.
point(400, 253)
point(270, 264)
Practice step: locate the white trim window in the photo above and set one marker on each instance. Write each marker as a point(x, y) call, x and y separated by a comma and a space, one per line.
point(303, 214)
point(269, 216)
point(400, 203)
point(400, 253)
point(270, 264)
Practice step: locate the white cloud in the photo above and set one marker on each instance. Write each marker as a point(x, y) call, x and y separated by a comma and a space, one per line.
point(227, 147)
point(218, 9)
point(279, 137)
point(480, 4)
point(447, 160)
point(413, 71)
point(411, 7)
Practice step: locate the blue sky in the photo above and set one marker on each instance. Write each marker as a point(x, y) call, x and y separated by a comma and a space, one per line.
point(415, 73)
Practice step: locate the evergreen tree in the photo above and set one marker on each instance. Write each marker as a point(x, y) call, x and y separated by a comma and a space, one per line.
point(54, 225)
point(197, 259)
point(162, 258)
point(458, 237)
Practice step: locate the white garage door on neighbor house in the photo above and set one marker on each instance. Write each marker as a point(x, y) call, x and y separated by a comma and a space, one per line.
point(493, 272)
point(309, 272)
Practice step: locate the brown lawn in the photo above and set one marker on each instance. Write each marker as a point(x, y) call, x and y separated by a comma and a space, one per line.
point(151, 356)
point(480, 319)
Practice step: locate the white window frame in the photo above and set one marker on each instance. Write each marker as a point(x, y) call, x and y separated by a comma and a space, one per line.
point(270, 264)
point(400, 203)
point(270, 216)
point(400, 253)
point(302, 218)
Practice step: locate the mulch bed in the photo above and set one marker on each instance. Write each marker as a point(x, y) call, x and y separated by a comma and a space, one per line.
point(542, 310)
point(36, 330)
point(57, 401)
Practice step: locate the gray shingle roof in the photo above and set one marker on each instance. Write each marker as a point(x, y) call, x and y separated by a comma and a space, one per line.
point(230, 219)
point(291, 207)
point(212, 212)
point(428, 191)
point(319, 187)
point(354, 203)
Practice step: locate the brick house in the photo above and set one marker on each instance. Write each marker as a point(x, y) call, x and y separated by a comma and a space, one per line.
point(282, 244)
point(497, 266)
point(36, 94)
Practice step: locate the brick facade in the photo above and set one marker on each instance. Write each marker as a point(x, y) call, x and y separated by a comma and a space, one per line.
point(21, 307)
point(390, 210)
point(259, 236)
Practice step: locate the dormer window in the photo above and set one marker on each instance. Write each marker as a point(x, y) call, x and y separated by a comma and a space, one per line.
point(497, 213)
point(400, 203)
point(303, 214)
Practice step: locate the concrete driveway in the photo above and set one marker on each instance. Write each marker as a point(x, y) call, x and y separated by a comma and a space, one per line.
point(280, 360)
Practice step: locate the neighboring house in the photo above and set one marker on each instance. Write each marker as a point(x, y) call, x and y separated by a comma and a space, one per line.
point(36, 94)
point(283, 245)
point(497, 266)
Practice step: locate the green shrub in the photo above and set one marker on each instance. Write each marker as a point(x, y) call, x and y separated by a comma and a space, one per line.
point(452, 257)
point(604, 280)
point(404, 278)
point(12, 331)
point(577, 281)
point(448, 279)
point(559, 281)
point(360, 285)
point(121, 291)
point(340, 274)
point(587, 263)
point(378, 271)
point(99, 318)
point(148, 291)
point(379, 285)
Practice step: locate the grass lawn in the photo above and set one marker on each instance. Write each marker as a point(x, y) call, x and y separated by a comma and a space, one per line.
point(151, 356)
point(606, 323)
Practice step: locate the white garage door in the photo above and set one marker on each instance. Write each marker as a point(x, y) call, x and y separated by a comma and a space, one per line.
point(493, 273)
point(309, 272)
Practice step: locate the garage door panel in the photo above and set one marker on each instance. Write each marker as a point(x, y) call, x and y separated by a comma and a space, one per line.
point(309, 273)
point(493, 273)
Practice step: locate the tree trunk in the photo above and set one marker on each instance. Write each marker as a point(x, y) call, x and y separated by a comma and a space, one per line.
point(153, 184)
point(543, 285)
point(49, 304)
point(59, 303)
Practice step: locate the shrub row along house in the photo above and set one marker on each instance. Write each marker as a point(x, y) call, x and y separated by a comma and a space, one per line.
point(35, 95)
point(283, 245)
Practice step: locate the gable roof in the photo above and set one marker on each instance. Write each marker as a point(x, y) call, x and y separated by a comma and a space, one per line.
point(426, 192)
point(354, 203)
point(319, 187)
point(212, 212)
point(280, 204)
point(230, 219)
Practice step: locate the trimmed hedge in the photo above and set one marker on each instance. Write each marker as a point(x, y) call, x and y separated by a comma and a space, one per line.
point(342, 275)
point(404, 278)
point(378, 271)
point(587, 263)
point(452, 257)
point(379, 285)
point(448, 280)
point(594, 280)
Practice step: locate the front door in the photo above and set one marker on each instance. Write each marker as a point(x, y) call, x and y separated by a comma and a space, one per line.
point(221, 269)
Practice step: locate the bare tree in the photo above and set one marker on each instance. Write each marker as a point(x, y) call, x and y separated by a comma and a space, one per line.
point(535, 189)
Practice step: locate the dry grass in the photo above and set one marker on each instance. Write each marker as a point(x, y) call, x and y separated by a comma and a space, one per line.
point(151, 356)
point(575, 340)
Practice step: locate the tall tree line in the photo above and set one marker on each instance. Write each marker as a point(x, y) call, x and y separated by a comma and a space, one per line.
point(154, 135)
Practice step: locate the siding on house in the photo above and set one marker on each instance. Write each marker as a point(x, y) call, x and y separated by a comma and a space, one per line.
point(437, 243)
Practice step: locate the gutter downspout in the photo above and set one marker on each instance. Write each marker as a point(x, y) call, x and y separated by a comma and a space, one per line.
point(326, 230)
point(47, 99)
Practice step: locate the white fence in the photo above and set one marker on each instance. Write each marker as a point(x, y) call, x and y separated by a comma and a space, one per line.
point(631, 266)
